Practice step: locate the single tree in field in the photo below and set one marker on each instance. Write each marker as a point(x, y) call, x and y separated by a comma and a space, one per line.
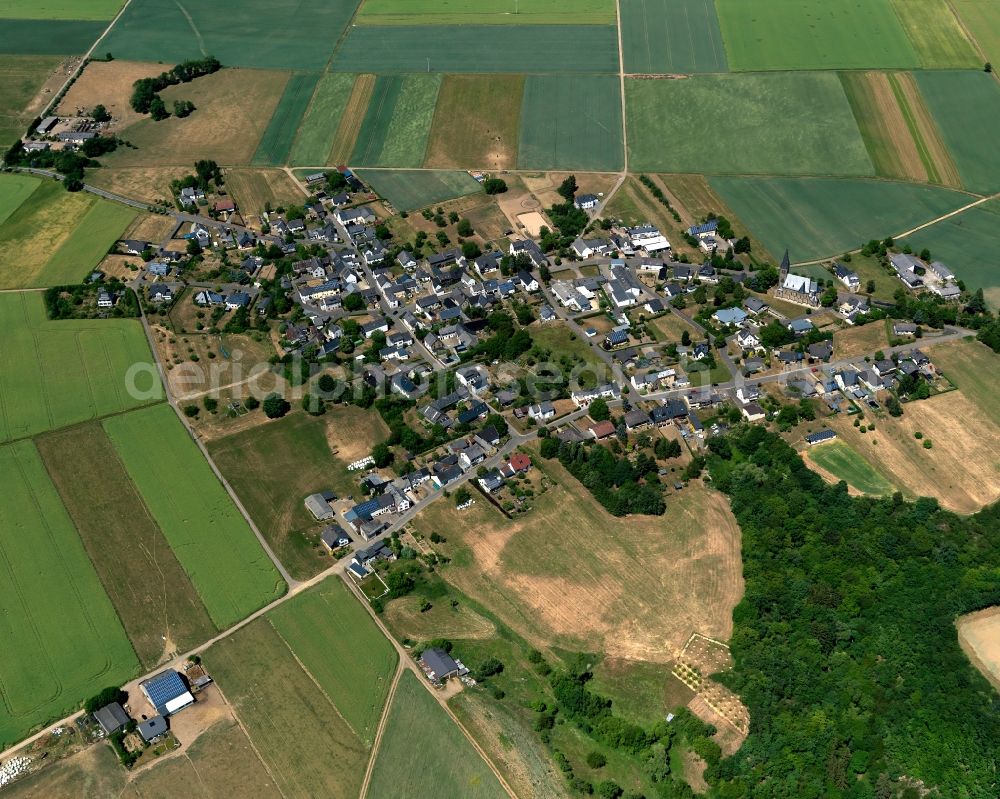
point(567, 189)
point(275, 406)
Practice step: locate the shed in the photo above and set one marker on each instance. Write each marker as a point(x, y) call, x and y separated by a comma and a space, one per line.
point(820, 436)
point(319, 507)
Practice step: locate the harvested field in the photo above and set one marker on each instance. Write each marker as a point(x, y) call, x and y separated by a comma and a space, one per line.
point(275, 467)
point(424, 752)
point(151, 184)
point(326, 619)
point(922, 127)
point(162, 616)
point(48, 36)
point(972, 366)
point(982, 19)
point(836, 461)
point(108, 83)
point(409, 190)
point(265, 34)
point(966, 242)
point(669, 37)
point(571, 122)
point(785, 122)
point(406, 620)
point(476, 122)
point(936, 34)
point(231, 117)
point(814, 34)
point(979, 637)
point(252, 189)
point(96, 769)
point(54, 374)
point(305, 744)
point(346, 135)
point(547, 589)
point(397, 124)
point(966, 106)
point(221, 762)
point(857, 342)
point(62, 639)
point(486, 12)
point(961, 471)
point(87, 244)
point(213, 542)
point(460, 48)
point(150, 227)
point(319, 125)
point(21, 79)
point(276, 143)
point(822, 217)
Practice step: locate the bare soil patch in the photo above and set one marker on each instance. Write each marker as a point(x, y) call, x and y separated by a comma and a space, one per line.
point(979, 637)
point(108, 83)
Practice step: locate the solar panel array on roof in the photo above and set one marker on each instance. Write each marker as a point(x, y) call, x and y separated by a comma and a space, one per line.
point(163, 689)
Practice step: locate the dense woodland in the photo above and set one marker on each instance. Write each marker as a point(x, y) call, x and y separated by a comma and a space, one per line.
point(845, 645)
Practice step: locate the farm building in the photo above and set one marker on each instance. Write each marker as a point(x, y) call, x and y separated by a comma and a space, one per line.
point(111, 718)
point(167, 692)
point(438, 665)
point(820, 437)
point(319, 506)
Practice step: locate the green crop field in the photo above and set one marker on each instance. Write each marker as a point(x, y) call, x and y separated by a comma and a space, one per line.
point(844, 463)
point(48, 36)
point(982, 18)
point(275, 467)
point(936, 34)
point(322, 118)
point(408, 190)
point(356, 680)
point(398, 121)
point(671, 36)
point(21, 79)
point(785, 124)
point(276, 143)
point(478, 48)
point(423, 752)
point(966, 242)
point(823, 217)
point(60, 9)
point(814, 34)
point(302, 739)
point(966, 106)
point(54, 374)
point(486, 12)
point(14, 190)
point(227, 565)
point(89, 242)
point(268, 34)
point(125, 544)
point(571, 122)
point(61, 639)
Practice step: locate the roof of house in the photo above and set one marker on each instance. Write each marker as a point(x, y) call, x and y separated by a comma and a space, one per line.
point(111, 717)
point(730, 316)
point(603, 429)
point(150, 728)
point(439, 662)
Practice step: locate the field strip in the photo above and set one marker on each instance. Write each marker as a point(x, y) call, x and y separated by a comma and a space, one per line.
point(350, 123)
point(911, 123)
point(380, 730)
point(928, 131)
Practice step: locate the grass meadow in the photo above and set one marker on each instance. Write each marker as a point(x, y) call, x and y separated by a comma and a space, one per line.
point(62, 641)
point(477, 122)
point(398, 121)
point(784, 125)
point(966, 106)
point(814, 34)
point(21, 78)
point(328, 619)
point(219, 552)
point(273, 468)
point(314, 139)
point(486, 12)
point(423, 752)
point(478, 49)
point(845, 464)
point(982, 17)
point(971, 366)
point(276, 143)
point(54, 374)
point(824, 217)
point(47, 36)
point(671, 36)
point(265, 34)
point(302, 739)
point(252, 189)
point(409, 190)
point(962, 242)
point(14, 190)
point(125, 544)
point(87, 245)
point(571, 122)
